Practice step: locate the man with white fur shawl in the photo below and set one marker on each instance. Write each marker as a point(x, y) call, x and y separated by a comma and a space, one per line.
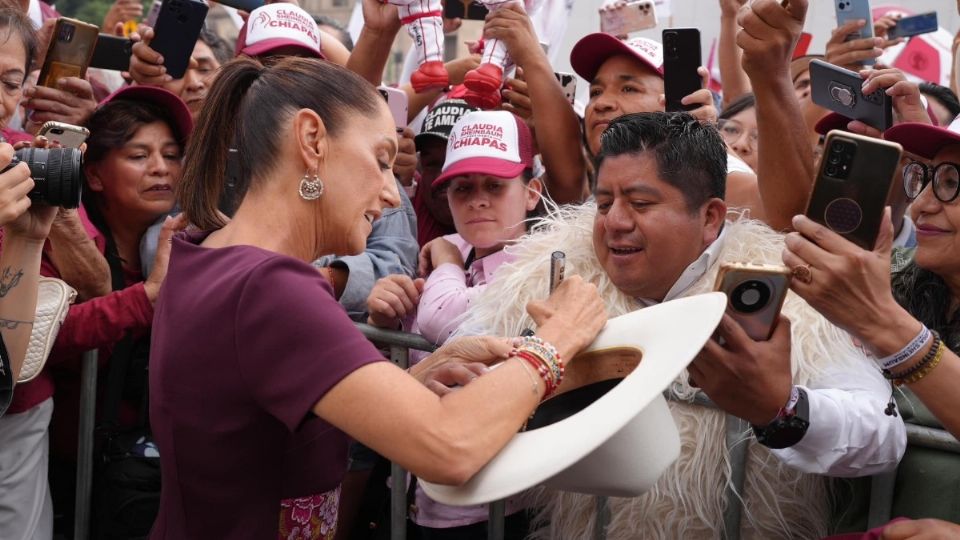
point(659, 230)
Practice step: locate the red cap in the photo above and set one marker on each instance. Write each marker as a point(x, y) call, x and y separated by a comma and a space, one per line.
point(593, 50)
point(273, 26)
point(831, 122)
point(924, 140)
point(167, 100)
point(497, 143)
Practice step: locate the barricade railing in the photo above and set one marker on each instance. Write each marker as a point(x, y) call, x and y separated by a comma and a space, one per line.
point(399, 345)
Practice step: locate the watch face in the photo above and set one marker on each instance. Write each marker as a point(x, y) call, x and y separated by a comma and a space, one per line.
point(786, 431)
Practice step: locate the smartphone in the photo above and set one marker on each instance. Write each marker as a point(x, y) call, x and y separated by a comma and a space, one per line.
point(68, 135)
point(628, 18)
point(838, 89)
point(914, 26)
point(568, 81)
point(397, 103)
point(681, 58)
point(178, 26)
point(848, 10)
point(154, 12)
point(112, 52)
point(464, 9)
point(68, 55)
point(755, 294)
point(853, 182)
point(242, 5)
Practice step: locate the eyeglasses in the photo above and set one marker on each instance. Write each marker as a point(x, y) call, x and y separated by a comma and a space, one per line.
point(731, 131)
point(945, 178)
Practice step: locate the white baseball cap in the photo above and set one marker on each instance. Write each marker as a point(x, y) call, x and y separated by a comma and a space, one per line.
point(273, 26)
point(593, 50)
point(497, 143)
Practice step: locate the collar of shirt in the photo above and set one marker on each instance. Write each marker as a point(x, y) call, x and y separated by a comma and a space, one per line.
point(908, 234)
point(480, 270)
point(694, 271)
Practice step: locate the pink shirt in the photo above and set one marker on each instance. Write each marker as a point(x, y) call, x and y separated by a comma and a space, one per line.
point(446, 296)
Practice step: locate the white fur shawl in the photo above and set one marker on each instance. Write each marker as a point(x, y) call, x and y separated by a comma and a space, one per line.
point(688, 501)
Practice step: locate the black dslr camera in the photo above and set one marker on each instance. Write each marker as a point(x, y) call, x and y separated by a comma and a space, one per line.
point(57, 173)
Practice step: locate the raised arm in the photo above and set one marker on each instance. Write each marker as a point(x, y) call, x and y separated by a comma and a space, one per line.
point(735, 81)
point(372, 49)
point(786, 165)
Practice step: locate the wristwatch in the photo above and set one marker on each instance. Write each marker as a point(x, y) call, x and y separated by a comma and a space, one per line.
point(790, 425)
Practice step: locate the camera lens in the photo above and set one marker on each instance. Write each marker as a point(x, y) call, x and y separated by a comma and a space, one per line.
point(834, 158)
point(750, 296)
point(831, 170)
point(57, 174)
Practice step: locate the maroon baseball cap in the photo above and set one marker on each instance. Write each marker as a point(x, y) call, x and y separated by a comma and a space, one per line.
point(594, 49)
point(924, 140)
point(274, 26)
point(165, 99)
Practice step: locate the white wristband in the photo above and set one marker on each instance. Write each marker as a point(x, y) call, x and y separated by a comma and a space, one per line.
point(912, 348)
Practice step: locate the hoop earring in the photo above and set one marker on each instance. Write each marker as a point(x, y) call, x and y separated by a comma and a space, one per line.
point(311, 190)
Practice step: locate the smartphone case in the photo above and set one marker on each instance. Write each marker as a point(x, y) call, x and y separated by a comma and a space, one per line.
point(68, 55)
point(465, 9)
point(681, 58)
point(397, 102)
point(775, 280)
point(838, 89)
point(631, 17)
point(914, 26)
point(66, 135)
point(568, 81)
point(853, 184)
point(178, 27)
point(112, 52)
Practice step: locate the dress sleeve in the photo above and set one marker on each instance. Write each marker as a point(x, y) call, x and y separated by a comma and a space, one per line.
point(294, 341)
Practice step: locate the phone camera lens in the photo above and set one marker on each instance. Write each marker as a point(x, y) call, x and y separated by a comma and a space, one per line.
point(751, 296)
point(832, 170)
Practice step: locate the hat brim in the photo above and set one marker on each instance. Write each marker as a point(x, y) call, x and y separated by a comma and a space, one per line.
point(831, 122)
point(669, 336)
point(421, 138)
point(481, 165)
point(923, 140)
point(164, 98)
point(267, 45)
point(592, 51)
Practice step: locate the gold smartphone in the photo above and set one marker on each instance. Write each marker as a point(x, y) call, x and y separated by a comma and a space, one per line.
point(755, 294)
point(68, 55)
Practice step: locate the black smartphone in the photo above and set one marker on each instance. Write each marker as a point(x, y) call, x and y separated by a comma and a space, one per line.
point(852, 186)
point(681, 58)
point(112, 52)
point(242, 5)
point(178, 26)
point(464, 9)
point(915, 25)
point(838, 89)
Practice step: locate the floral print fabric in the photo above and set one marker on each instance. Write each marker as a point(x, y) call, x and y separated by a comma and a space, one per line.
point(309, 518)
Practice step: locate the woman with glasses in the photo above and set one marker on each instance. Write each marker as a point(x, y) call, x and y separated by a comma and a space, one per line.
point(738, 127)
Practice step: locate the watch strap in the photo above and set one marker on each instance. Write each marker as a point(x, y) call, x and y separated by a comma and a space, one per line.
point(789, 427)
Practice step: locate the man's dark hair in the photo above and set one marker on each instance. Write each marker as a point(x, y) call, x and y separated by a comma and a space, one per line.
point(690, 156)
point(944, 95)
point(344, 36)
point(220, 48)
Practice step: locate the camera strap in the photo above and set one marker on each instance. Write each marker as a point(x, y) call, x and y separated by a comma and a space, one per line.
point(6, 378)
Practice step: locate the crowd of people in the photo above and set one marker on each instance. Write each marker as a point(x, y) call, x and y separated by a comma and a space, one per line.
point(237, 222)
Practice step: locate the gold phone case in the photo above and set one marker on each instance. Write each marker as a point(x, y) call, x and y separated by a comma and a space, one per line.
point(70, 50)
point(755, 295)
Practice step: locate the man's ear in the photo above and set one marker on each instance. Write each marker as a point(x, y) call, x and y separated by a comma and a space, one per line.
point(714, 216)
point(534, 192)
point(311, 138)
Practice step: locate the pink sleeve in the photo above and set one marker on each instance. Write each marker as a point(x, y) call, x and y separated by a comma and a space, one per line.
point(445, 298)
point(103, 321)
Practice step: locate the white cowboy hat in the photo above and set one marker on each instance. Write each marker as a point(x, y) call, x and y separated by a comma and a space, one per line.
point(617, 444)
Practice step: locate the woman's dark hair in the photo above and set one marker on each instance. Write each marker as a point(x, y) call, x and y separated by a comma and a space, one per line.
point(942, 94)
point(927, 297)
point(737, 106)
point(221, 50)
point(690, 156)
point(253, 103)
point(13, 21)
point(115, 123)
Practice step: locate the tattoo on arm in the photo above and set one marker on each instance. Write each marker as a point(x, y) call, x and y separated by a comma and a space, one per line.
point(9, 279)
point(11, 324)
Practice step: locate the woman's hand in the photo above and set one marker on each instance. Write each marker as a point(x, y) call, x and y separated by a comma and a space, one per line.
point(705, 111)
point(571, 317)
point(436, 252)
point(154, 281)
point(922, 529)
point(843, 277)
point(851, 54)
point(460, 361)
point(392, 299)
point(146, 64)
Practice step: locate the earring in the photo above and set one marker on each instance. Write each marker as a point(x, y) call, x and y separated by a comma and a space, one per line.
point(311, 190)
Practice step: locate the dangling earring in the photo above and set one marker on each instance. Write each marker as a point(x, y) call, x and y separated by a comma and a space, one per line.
point(311, 189)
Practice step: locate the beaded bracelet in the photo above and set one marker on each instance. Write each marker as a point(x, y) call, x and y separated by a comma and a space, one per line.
point(549, 380)
point(919, 365)
point(915, 377)
point(546, 351)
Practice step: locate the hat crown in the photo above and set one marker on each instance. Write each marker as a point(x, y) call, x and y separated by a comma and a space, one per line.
point(282, 21)
point(493, 135)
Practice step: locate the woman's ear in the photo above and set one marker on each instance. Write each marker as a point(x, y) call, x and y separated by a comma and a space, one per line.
point(311, 138)
point(92, 174)
point(534, 192)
